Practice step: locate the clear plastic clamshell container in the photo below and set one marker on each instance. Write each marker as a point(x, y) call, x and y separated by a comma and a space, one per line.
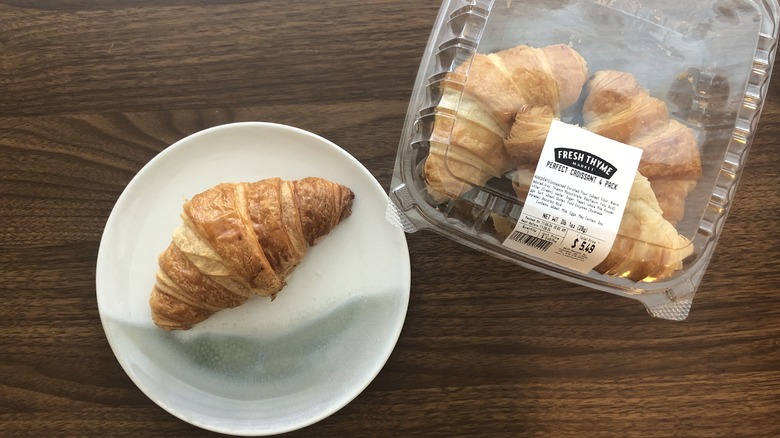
point(498, 149)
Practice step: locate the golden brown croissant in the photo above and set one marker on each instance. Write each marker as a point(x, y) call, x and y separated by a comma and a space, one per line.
point(617, 107)
point(467, 142)
point(647, 246)
point(238, 240)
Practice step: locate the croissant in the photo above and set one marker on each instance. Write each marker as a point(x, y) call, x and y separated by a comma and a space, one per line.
point(472, 119)
point(239, 240)
point(617, 107)
point(647, 246)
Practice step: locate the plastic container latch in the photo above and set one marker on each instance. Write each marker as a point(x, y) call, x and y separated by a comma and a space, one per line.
point(674, 311)
point(394, 214)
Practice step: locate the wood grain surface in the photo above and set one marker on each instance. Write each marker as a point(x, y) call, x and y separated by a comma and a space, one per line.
point(91, 90)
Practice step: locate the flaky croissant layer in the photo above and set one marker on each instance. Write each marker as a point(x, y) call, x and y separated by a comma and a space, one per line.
point(238, 240)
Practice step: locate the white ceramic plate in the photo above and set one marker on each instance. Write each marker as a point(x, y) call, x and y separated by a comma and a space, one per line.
point(265, 367)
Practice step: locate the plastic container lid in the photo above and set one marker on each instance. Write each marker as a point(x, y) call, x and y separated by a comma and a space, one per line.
point(597, 141)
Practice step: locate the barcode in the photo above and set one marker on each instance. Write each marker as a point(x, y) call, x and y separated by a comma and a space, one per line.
point(534, 242)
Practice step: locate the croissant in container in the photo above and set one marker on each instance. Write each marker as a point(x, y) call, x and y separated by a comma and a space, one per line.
point(240, 240)
point(474, 117)
point(617, 107)
point(647, 246)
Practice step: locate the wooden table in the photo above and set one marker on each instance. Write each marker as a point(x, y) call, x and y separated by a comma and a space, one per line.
point(90, 91)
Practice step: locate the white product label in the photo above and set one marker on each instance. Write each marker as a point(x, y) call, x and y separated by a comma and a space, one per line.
point(576, 198)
